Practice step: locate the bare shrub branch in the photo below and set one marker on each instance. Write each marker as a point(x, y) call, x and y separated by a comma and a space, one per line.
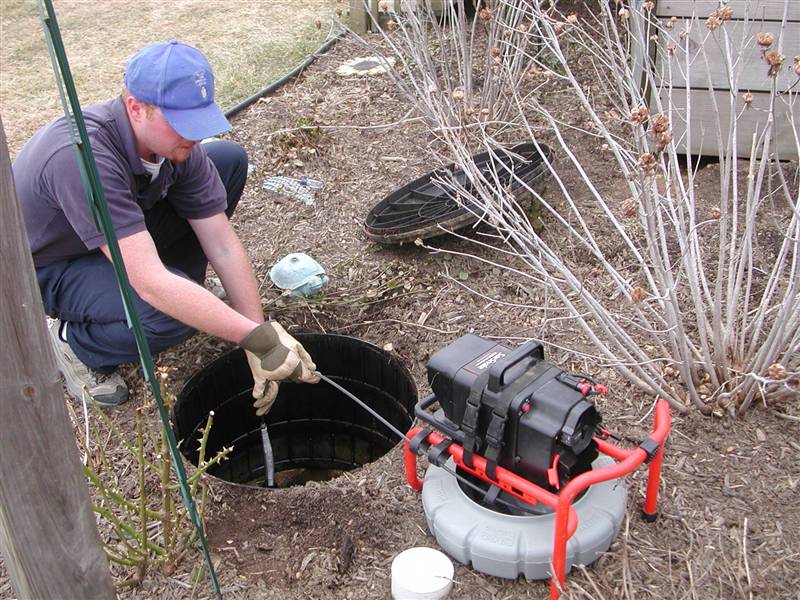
point(690, 285)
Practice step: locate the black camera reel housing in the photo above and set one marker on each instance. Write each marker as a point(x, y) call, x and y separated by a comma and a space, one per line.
point(514, 408)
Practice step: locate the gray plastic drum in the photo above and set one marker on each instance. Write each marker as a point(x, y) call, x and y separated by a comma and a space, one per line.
point(508, 546)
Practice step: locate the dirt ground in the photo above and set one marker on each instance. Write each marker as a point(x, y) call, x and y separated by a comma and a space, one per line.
point(729, 512)
point(730, 504)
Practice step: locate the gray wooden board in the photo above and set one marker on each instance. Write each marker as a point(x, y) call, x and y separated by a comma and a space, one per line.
point(752, 9)
point(704, 120)
point(738, 43)
point(48, 533)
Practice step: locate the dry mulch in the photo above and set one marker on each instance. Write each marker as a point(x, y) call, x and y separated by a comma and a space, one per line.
point(729, 517)
point(729, 505)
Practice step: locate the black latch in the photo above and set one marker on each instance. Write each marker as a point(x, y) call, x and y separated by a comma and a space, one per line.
point(438, 454)
point(415, 442)
point(651, 447)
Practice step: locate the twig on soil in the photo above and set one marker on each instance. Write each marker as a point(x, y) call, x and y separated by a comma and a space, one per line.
point(744, 557)
point(785, 416)
point(587, 573)
point(354, 325)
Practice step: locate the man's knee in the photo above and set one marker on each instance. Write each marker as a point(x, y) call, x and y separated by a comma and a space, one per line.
point(163, 332)
point(227, 156)
point(230, 160)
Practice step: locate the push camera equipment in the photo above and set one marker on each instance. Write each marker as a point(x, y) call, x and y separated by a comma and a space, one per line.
point(530, 433)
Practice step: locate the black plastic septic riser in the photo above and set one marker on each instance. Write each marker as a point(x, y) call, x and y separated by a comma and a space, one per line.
point(310, 426)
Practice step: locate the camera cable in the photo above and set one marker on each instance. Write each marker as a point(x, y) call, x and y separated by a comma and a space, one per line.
point(445, 466)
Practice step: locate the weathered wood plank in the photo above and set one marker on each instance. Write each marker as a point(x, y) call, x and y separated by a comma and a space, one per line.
point(754, 9)
point(359, 16)
point(750, 68)
point(48, 533)
point(704, 118)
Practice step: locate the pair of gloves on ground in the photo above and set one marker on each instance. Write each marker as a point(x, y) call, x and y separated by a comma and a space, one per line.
point(274, 355)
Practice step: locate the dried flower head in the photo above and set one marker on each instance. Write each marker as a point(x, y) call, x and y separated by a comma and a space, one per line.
point(748, 99)
point(649, 5)
point(338, 11)
point(647, 162)
point(713, 22)
point(572, 19)
point(558, 27)
point(671, 47)
point(433, 88)
point(638, 295)
point(391, 25)
point(629, 207)
point(383, 5)
point(640, 115)
point(495, 51)
point(777, 371)
point(774, 60)
point(485, 14)
point(660, 123)
point(725, 13)
point(765, 39)
point(715, 213)
point(663, 138)
point(458, 95)
point(624, 13)
point(683, 34)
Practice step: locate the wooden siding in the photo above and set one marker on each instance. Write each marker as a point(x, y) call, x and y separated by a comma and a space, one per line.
point(704, 119)
point(752, 9)
point(708, 72)
point(751, 69)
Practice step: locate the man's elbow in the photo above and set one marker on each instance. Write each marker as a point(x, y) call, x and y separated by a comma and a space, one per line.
point(150, 285)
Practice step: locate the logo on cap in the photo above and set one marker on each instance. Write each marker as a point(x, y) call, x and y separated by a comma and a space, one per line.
point(200, 82)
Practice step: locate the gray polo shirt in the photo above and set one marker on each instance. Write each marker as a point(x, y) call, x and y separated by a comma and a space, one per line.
point(54, 203)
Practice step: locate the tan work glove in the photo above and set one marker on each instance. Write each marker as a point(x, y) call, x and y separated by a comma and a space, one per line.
point(264, 390)
point(282, 356)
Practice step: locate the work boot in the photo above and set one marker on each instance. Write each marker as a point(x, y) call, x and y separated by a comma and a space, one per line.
point(84, 383)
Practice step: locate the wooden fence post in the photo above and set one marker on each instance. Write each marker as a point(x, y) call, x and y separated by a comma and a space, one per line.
point(359, 17)
point(48, 533)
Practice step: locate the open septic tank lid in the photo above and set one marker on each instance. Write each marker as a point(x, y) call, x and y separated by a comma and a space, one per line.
point(424, 208)
point(317, 432)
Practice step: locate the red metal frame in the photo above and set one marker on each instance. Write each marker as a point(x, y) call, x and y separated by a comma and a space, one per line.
point(566, 520)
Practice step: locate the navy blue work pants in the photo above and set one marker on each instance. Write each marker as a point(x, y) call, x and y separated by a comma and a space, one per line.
point(83, 291)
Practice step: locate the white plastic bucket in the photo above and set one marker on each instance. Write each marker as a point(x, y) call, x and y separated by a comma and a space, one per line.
point(421, 574)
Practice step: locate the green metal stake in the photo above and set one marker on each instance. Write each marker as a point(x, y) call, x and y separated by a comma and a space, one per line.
point(97, 204)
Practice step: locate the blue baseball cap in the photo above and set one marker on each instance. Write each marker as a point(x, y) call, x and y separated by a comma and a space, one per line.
point(177, 78)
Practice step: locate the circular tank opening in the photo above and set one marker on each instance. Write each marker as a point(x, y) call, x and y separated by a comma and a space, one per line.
point(316, 431)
